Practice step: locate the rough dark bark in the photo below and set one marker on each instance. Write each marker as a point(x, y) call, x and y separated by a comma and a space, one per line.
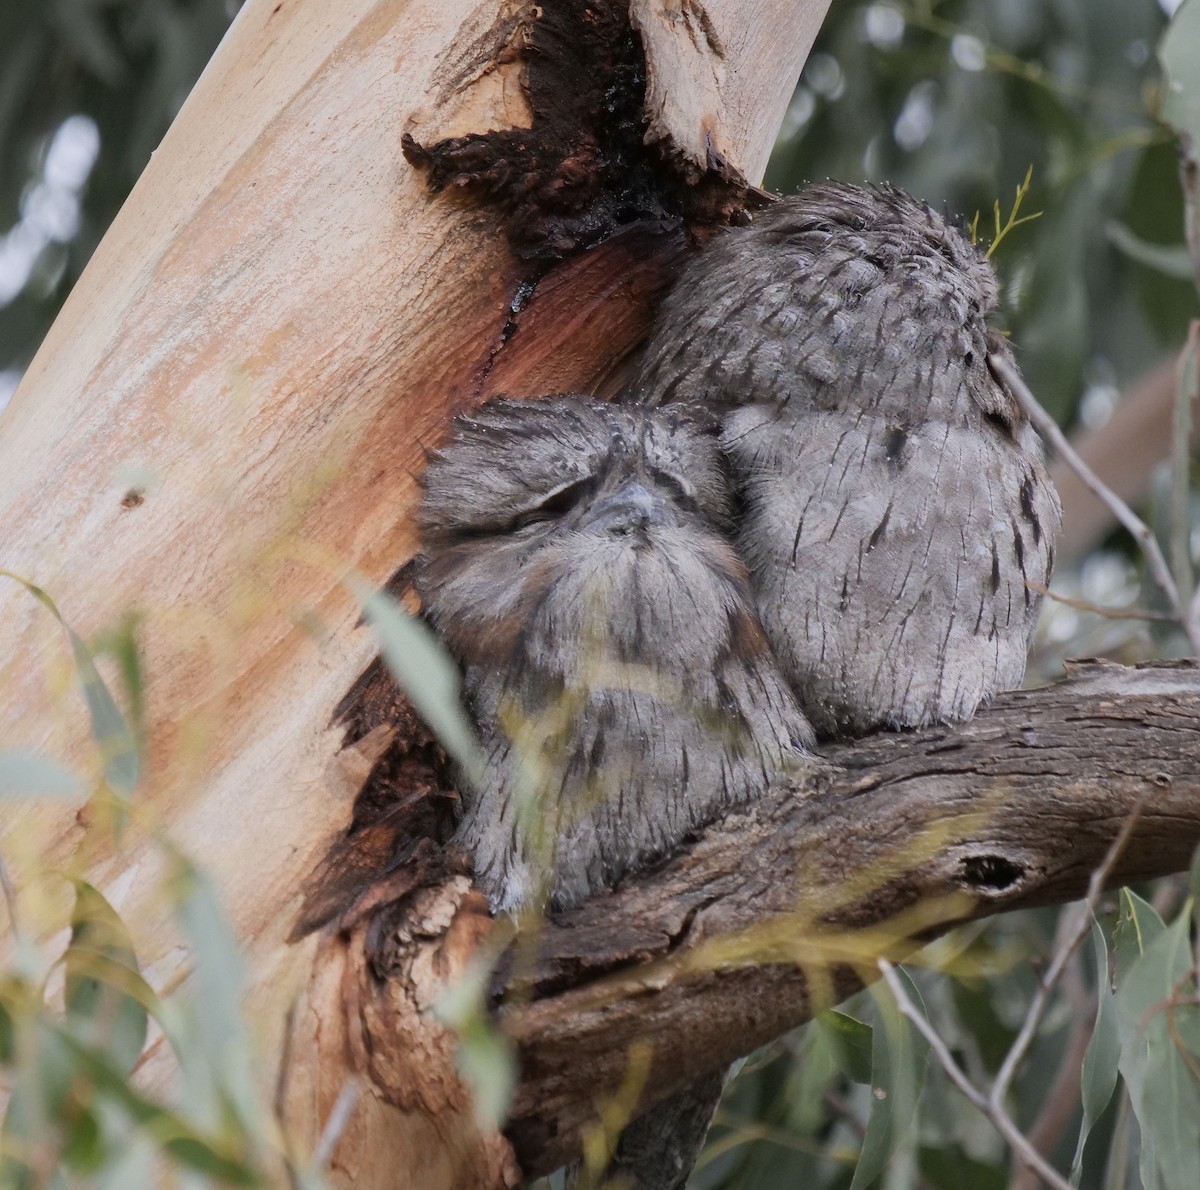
point(780, 911)
point(587, 164)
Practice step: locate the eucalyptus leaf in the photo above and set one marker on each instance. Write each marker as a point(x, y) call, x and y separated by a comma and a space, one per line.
point(485, 1057)
point(898, 1060)
point(487, 1063)
point(101, 972)
point(1179, 53)
point(169, 1130)
point(132, 1164)
point(1138, 926)
point(216, 1055)
point(118, 750)
point(427, 673)
point(84, 1151)
point(850, 1042)
point(1100, 1062)
point(42, 1104)
point(1172, 260)
point(23, 1124)
point(121, 645)
point(1154, 1020)
point(7, 1031)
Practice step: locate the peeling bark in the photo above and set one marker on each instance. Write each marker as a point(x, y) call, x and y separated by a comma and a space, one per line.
point(624, 122)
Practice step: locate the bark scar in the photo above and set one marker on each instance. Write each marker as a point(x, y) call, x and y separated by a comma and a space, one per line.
point(583, 168)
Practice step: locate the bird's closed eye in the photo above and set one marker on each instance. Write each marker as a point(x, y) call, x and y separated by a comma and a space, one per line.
point(554, 504)
point(676, 485)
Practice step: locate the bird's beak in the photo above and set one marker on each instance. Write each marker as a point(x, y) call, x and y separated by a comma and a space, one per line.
point(631, 508)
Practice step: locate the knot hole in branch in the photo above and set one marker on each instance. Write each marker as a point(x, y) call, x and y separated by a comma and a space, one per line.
point(991, 872)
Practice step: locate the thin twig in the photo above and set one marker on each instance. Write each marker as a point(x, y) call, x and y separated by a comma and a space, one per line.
point(1048, 428)
point(1000, 1119)
point(1189, 179)
point(1109, 613)
point(992, 1105)
point(339, 1117)
point(1062, 955)
point(1187, 374)
point(1061, 1102)
point(283, 1086)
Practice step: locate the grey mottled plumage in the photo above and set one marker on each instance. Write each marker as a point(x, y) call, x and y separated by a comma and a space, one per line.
point(622, 684)
point(894, 500)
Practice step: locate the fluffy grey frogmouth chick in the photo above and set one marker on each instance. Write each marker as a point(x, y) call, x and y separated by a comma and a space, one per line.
point(895, 507)
point(624, 690)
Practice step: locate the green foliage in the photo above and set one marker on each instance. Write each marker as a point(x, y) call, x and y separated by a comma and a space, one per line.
point(24, 774)
point(111, 732)
point(1099, 1076)
point(1158, 1025)
point(801, 1113)
point(850, 1043)
point(73, 1108)
point(74, 1111)
point(105, 994)
point(898, 1057)
point(1181, 71)
point(421, 665)
point(486, 1058)
point(126, 66)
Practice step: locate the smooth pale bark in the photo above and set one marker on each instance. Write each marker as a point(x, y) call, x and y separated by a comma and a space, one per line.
point(227, 418)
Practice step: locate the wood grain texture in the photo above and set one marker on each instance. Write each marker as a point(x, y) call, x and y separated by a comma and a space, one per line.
point(227, 418)
point(700, 97)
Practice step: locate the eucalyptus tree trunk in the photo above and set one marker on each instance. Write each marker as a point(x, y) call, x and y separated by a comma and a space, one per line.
point(227, 418)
